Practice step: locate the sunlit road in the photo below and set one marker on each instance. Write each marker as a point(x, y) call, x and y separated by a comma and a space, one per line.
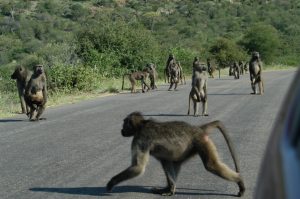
point(79, 147)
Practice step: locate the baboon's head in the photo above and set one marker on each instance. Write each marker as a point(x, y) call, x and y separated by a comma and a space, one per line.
point(132, 124)
point(38, 69)
point(255, 55)
point(18, 73)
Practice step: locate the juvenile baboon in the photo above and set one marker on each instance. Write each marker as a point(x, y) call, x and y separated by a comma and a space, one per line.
point(173, 143)
point(36, 93)
point(246, 67)
point(198, 91)
point(153, 75)
point(255, 69)
point(211, 67)
point(22, 76)
point(139, 75)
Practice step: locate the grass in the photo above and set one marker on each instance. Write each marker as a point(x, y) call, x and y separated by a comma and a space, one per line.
point(9, 102)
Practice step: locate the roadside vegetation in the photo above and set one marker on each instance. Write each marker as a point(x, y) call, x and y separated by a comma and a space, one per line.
point(87, 45)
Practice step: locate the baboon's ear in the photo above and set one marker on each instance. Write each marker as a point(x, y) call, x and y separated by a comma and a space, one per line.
point(136, 119)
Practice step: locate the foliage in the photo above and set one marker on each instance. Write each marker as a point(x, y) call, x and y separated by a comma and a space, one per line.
point(264, 39)
point(226, 51)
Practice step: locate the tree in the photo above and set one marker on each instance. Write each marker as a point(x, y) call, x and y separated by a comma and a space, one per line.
point(226, 51)
point(262, 38)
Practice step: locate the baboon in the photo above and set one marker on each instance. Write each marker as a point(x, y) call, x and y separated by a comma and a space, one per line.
point(167, 72)
point(246, 67)
point(255, 69)
point(241, 66)
point(174, 71)
point(173, 143)
point(36, 93)
point(22, 76)
point(198, 91)
point(171, 58)
point(211, 67)
point(138, 75)
point(236, 70)
point(152, 75)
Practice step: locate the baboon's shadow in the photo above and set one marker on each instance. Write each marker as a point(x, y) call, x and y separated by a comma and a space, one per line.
point(11, 120)
point(101, 191)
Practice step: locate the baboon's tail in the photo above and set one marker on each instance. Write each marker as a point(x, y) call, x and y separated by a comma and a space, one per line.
point(218, 124)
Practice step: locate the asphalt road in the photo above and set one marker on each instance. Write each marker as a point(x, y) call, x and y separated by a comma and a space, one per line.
point(75, 152)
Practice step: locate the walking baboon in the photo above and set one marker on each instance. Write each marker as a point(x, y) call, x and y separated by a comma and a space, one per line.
point(36, 93)
point(241, 66)
point(174, 71)
point(198, 91)
point(236, 70)
point(138, 75)
point(22, 76)
point(167, 75)
point(153, 75)
point(173, 143)
point(255, 69)
point(167, 72)
point(211, 67)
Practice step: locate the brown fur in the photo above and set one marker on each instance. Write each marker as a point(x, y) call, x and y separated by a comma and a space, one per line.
point(173, 143)
point(255, 70)
point(198, 91)
point(139, 75)
point(22, 75)
point(36, 93)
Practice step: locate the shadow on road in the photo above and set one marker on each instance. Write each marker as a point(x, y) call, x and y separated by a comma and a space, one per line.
point(228, 94)
point(165, 115)
point(11, 120)
point(101, 191)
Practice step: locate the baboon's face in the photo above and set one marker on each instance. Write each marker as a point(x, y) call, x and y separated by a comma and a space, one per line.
point(39, 69)
point(255, 55)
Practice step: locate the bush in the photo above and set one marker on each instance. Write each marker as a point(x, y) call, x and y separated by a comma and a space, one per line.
point(262, 38)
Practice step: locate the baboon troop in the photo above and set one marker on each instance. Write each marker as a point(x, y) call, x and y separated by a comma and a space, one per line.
point(198, 91)
point(36, 93)
point(22, 76)
point(255, 69)
point(173, 143)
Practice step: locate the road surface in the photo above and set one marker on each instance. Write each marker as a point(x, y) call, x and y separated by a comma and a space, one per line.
point(75, 152)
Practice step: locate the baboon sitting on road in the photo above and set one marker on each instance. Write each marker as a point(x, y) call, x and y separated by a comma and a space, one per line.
point(173, 143)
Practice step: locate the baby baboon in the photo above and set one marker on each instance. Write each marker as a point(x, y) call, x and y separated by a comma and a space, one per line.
point(36, 93)
point(198, 91)
point(22, 75)
point(173, 143)
point(255, 69)
point(241, 66)
point(139, 75)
